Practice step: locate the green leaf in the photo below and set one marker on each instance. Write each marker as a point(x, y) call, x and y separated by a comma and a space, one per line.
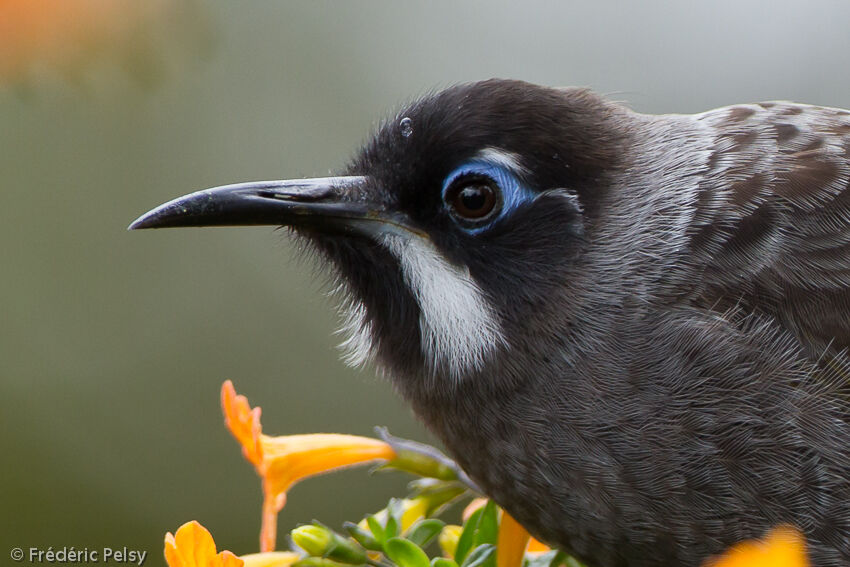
point(377, 529)
point(405, 553)
point(467, 536)
point(395, 509)
point(437, 493)
point(443, 562)
point(482, 527)
point(363, 537)
point(317, 562)
point(482, 556)
point(347, 551)
point(561, 558)
point(423, 531)
point(391, 530)
point(549, 559)
point(488, 525)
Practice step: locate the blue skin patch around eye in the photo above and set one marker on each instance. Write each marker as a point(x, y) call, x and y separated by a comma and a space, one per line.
point(514, 193)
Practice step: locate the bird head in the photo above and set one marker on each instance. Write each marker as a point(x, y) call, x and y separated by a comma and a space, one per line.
point(454, 232)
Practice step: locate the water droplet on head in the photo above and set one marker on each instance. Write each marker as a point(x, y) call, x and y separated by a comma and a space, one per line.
point(406, 126)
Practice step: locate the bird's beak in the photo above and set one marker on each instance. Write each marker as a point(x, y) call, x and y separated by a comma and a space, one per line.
point(326, 202)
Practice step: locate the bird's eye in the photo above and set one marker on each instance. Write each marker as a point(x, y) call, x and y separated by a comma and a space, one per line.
point(475, 199)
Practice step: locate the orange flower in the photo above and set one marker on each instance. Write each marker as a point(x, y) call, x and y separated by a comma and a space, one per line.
point(514, 543)
point(283, 461)
point(193, 546)
point(783, 547)
point(513, 539)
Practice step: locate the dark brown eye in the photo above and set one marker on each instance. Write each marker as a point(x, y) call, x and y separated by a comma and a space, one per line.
point(473, 200)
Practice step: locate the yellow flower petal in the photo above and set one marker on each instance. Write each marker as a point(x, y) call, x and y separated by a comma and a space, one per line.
point(291, 458)
point(193, 546)
point(283, 461)
point(448, 539)
point(272, 559)
point(412, 510)
point(783, 547)
point(243, 422)
point(227, 559)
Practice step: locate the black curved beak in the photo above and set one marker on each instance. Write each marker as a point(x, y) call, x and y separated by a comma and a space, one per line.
point(324, 201)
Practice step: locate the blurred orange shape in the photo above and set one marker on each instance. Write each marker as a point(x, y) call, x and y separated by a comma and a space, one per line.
point(68, 37)
point(474, 504)
point(535, 546)
point(63, 33)
point(283, 461)
point(783, 547)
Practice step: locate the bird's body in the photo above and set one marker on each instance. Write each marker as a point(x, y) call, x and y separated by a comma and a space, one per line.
point(628, 329)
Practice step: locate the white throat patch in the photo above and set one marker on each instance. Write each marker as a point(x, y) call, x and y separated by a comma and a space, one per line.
point(459, 327)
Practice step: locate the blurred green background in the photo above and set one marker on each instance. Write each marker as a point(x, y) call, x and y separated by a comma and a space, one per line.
point(113, 345)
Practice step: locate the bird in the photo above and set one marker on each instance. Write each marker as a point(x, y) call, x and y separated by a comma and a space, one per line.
point(629, 330)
